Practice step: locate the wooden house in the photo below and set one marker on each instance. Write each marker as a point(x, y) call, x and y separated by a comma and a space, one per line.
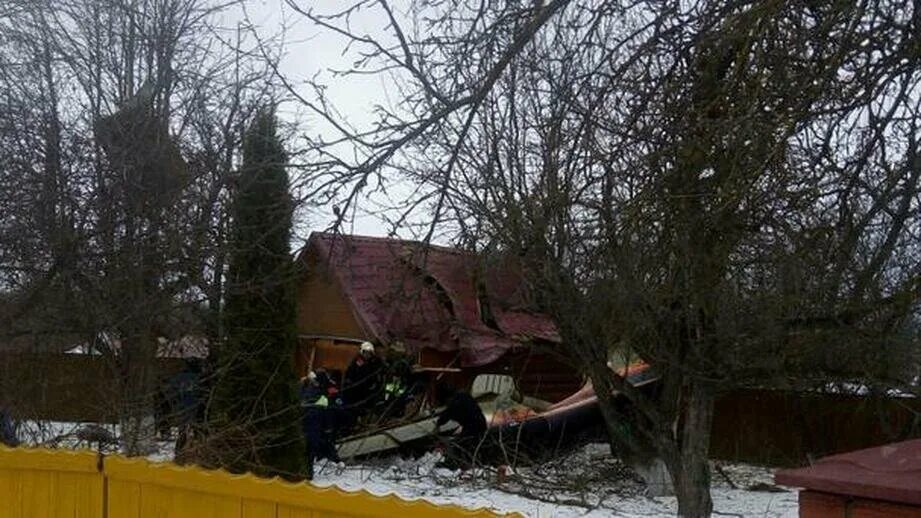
point(451, 311)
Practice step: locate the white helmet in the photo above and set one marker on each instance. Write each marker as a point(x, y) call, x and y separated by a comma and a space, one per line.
point(367, 347)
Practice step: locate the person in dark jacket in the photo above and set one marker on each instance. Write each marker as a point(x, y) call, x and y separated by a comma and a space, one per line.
point(7, 429)
point(462, 409)
point(316, 423)
point(364, 381)
point(402, 387)
point(185, 389)
point(162, 411)
point(335, 418)
point(466, 444)
point(327, 384)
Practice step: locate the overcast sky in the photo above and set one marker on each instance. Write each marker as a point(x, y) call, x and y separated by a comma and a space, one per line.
point(312, 50)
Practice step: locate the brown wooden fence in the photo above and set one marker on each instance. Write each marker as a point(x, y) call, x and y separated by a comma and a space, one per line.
point(770, 427)
point(786, 428)
point(64, 387)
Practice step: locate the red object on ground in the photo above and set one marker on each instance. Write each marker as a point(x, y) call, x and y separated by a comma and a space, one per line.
point(870, 480)
point(633, 373)
point(502, 474)
point(433, 296)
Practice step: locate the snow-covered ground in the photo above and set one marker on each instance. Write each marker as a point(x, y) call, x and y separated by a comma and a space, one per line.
point(58, 434)
point(586, 483)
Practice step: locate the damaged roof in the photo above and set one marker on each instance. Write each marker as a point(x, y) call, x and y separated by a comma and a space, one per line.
point(433, 296)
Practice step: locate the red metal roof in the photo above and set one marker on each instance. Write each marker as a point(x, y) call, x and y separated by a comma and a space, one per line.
point(891, 473)
point(426, 296)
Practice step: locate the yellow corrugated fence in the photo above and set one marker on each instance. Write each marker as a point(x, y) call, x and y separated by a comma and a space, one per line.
point(46, 483)
point(37, 483)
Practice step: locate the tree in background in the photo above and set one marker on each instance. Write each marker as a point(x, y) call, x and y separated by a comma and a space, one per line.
point(255, 412)
point(122, 125)
point(728, 191)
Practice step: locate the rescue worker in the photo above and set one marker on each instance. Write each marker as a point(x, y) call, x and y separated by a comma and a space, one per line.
point(316, 423)
point(326, 383)
point(363, 384)
point(461, 408)
point(401, 387)
point(336, 417)
point(394, 400)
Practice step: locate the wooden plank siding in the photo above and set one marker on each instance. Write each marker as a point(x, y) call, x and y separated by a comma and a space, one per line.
point(322, 308)
point(332, 355)
point(815, 504)
point(545, 376)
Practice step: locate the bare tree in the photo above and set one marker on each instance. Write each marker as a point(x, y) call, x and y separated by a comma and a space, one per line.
point(125, 125)
point(728, 191)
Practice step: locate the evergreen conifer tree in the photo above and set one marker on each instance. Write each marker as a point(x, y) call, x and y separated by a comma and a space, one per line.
point(255, 414)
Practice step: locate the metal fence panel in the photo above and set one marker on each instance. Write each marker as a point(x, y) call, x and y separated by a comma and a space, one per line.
point(50, 484)
point(62, 483)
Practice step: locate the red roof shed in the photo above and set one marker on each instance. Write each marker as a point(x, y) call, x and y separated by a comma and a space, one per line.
point(877, 482)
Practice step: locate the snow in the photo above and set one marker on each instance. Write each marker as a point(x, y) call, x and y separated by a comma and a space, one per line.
point(71, 435)
point(587, 483)
point(860, 389)
point(55, 434)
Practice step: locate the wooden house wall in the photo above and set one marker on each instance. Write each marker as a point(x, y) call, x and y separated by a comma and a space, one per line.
point(546, 376)
point(332, 355)
point(814, 504)
point(322, 308)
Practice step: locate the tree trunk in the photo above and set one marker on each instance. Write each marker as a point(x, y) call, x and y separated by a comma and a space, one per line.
point(656, 475)
point(630, 441)
point(138, 428)
point(689, 464)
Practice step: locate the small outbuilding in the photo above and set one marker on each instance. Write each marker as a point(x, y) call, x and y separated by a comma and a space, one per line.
point(873, 483)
